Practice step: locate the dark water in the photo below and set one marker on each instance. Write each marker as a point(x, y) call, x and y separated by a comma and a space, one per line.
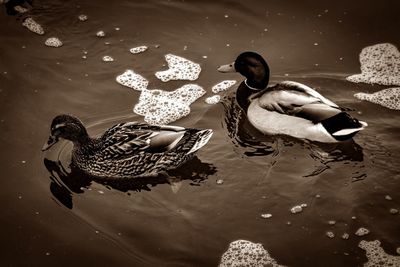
point(52, 217)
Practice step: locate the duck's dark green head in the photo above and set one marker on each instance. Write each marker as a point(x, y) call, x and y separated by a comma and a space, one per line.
point(67, 127)
point(252, 66)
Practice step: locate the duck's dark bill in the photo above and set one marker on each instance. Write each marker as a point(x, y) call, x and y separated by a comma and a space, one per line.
point(227, 68)
point(52, 140)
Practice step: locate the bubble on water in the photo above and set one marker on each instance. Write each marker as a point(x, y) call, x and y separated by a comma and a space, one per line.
point(362, 231)
point(380, 64)
point(266, 215)
point(330, 234)
point(53, 42)
point(132, 80)
point(100, 34)
point(223, 86)
point(179, 69)
point(139, 49)
point(220, 181)
point(213, 99)
point(345, 236)
point(21, 9)
point(161, 107)
point(387, 197)
point(33, 26)
point(332, 222)
point(83, 17)
point(377, 256)
point(108, 59)
point(298, 208)
point(389, 98)
point(246, 253)
point(393, 211)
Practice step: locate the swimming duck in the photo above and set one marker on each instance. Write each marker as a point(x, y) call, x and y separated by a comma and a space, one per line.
point(128, 150)
point(289, 108)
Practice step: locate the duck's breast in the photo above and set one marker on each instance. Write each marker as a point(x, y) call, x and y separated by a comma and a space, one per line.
point(272, 122)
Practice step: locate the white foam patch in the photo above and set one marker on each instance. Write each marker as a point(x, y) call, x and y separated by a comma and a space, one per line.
point(33, 26)
point(53, 42)
point(161, 107)
point(83, 17)
point(380, 64)
point(132, 80)
point(377, 256)
point(21, 9)
point(223, 86)
point(212, 100)
point(246, 253)
point(179, 69)
point(100, 34)
point(139, 49)
point(362, 231)
point(108, 59)
point(389, 98)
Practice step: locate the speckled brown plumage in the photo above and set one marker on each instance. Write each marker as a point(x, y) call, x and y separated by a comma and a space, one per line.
point(128, 150)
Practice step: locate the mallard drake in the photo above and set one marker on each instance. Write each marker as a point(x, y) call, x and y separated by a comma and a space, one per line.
point(289, 108)
point(127, 150)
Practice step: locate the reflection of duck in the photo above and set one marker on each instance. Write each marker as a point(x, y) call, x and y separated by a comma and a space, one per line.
point(131, 149)
point(288, 108)
point(65, 184)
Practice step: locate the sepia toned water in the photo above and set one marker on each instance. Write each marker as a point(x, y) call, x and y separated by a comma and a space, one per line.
point(53, 215)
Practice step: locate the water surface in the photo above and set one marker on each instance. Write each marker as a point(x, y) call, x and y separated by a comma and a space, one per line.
point(54, 216)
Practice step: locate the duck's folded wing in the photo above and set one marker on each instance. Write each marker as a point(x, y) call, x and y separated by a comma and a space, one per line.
point(307, 90)
point(283, 101)
point(315, 112)
point(125, 143)
point(124, 140)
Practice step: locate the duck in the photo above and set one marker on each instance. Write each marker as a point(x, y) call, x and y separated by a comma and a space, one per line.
point(288, 107)
point(129, 149)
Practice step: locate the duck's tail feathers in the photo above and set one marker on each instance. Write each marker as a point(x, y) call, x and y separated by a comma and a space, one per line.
point(350, 131)
point(202, 138)
point(342, 126)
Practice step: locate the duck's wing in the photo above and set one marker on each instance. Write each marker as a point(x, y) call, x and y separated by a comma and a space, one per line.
point(307, 90)
point(126, 139)
point(296, 99)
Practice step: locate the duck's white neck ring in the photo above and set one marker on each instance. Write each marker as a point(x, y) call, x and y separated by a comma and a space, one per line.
point(251, 88)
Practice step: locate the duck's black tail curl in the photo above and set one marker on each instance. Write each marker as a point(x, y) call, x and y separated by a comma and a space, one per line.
point(340, 122)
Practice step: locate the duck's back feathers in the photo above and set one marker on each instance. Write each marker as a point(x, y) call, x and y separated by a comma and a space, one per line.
point(126, 139)
point(305, 89)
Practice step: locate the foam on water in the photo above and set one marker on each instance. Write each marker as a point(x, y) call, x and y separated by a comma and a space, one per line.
point(33, 26)
point(389, 98)
point(377, 256)
point(21, 9)
point(100, 34)
point(139, 49)
point(223, 86)
point(213, 99)
point(108, 59)
point(362, 231)
point(179, 69)
point(380, 64)
point(53, 42)
point(132, 80)
point(161, 107)
point(82, 17)
point(246, 253)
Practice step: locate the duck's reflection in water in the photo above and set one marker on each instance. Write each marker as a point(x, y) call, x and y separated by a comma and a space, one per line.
point(251, 143)
point(65, 184)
